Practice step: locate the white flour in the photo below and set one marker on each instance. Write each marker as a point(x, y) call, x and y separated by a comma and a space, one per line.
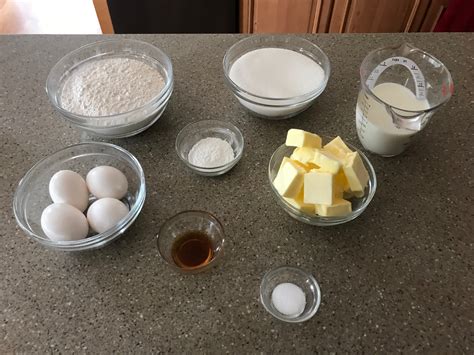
point(210, 153)
point(110, 86)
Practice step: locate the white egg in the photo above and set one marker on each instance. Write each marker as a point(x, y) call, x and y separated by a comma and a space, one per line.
point(105, 213)
point(69, 187)
point(61, 221)
point(107, 181)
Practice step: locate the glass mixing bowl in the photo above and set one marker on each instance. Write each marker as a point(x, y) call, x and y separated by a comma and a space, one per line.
point(124, 124)
point(358, 204)
point(32, 194)
point(268, 107)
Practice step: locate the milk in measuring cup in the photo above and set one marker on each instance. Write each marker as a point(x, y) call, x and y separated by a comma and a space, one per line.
point(375, 126)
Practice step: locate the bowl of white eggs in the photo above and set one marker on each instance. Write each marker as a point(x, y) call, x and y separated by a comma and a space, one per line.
point(81, 197)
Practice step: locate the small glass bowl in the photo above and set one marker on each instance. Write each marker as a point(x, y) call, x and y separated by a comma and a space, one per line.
point(268, 107)
point(358, 204)
point(194, 132)
point(32, 194)
point(296, 276)
point(186, 221)
point(124, 124)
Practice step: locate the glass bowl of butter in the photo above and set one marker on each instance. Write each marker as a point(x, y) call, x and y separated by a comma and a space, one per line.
point(321, 181)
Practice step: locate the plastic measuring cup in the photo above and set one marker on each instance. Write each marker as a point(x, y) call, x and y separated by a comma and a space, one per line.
point(401, 88)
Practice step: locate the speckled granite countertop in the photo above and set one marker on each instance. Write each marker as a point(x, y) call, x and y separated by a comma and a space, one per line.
point(398, 278)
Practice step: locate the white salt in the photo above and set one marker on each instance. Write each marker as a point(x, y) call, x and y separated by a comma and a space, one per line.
point(289, 299)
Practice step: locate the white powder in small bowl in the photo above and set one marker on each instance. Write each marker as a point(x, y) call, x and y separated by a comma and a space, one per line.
point(289, 299)
point(110, 86)
point(211, 152)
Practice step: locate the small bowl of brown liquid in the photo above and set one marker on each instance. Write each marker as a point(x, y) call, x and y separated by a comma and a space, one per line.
point(191, 241)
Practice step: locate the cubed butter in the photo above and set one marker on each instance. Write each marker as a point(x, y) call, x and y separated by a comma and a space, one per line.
point(339, 208)
point(289, 179)
point(341, 181)
point(355, 172)
point(318, 188)
point(298, 203)
point(306, 167)
point(284, 160)
point(326, 162)
point(303, 154)
point(338, 148)
point(300, 138)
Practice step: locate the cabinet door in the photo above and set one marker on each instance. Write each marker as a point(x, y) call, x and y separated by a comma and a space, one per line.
point(373, 16)
point(433, 13)
point(283, 16)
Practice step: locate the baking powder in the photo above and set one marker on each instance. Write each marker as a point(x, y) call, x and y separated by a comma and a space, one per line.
point(110, 86)
point(211, 152)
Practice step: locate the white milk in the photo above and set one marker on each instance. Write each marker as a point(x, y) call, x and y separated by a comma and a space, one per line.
point(375, 126)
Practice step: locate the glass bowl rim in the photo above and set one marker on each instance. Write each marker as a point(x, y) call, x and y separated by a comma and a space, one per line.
point(84, 119)
point(99, 237)
point(279, 102)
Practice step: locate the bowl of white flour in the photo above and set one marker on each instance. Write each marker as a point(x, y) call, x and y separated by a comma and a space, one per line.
point(276, 77)
point(114, 88)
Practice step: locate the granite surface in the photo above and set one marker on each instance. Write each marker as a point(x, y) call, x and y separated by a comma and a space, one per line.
point(398, 278)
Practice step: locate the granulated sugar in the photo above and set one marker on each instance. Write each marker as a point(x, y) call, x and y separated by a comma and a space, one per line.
point(110, 86)
point(276, 73)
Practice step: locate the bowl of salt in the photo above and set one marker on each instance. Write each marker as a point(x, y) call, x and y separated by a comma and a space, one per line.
point(290, 294)
point(210, 147)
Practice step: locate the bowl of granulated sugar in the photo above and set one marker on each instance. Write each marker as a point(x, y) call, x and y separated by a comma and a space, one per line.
point(276, 77)
point(210, 147)
point(114, 88)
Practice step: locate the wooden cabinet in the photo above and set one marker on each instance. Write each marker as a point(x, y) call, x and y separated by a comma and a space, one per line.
point(312, 16)
point(283, 16)
point(278, 15)
point(373, 16)
point(434, 10)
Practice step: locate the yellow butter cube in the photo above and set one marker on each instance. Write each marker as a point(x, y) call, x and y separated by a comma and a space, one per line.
point(340, 207)
point(289, 179)
point(341, 181)
point(303, 154)
point(300, 138)
point(318, 187)
point(326, 161)
point(284, 160)
point(355, 172)
point(338, 148)
point(298, 203)
point(306, 167)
